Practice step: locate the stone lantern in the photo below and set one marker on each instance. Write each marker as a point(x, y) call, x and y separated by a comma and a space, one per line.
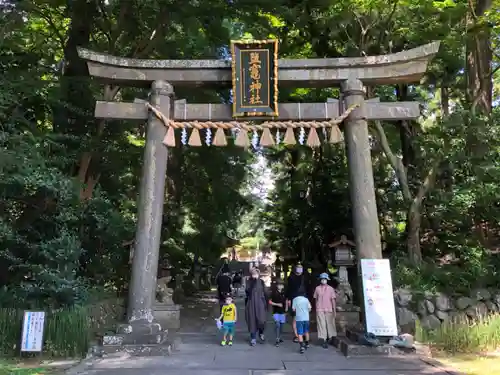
point(343, 258)
point(343, 254)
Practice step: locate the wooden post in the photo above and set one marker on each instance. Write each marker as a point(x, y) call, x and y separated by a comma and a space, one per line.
point(150, 210)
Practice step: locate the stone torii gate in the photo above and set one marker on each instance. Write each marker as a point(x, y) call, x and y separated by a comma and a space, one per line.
point(352, 74)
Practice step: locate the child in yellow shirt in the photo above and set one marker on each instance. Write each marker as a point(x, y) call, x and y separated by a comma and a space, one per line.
point(228, 316)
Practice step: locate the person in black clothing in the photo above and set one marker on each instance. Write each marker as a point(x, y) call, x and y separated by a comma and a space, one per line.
point(237, 283)
point(296, 286)
point(278, 302)
point(223, 285)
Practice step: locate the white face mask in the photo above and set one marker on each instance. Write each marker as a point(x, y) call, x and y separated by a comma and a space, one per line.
point(324, 281)
point(255, 276)
point(299, 270)
point(280, 288)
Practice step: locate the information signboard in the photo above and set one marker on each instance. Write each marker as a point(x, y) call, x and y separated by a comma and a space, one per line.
point(32, 335)
point(380, 313)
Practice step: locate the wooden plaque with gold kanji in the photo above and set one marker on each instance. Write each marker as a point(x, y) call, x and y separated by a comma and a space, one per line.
point(255, 78)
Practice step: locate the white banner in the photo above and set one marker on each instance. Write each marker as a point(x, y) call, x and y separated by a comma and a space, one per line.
point(32, 335)
point(380, 313)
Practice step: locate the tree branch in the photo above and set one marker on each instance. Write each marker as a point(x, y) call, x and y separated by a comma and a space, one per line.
point(427, 185)
point(383, 30)
point(395, 162)
point(145, 45)
point(50, 21)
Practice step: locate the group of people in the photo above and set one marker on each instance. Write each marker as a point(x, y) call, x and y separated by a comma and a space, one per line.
point(292, 300)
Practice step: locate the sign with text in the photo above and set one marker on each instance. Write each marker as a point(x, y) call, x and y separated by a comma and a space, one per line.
point(380, 313)
point(255, 78)
point(32, 335)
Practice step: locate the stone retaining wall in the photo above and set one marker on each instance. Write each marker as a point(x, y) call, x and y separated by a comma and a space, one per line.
point(433, 309)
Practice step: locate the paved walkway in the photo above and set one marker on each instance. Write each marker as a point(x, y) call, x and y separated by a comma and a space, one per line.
point(199, 353)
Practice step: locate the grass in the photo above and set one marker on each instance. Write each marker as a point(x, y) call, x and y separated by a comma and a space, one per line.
point(13, 368)
point(472, 364)
point(67, 332)
point(479, 336)
point(467, 346)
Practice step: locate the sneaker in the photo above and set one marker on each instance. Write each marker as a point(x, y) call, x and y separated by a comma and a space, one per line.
point(302, 350)
point(278, 342)
point(295, 339)
point(261, 337)
point(253, 342)
point(307, 345)
point(281, 341)
point(230, 343)
point(325, 344)
point(223, 343)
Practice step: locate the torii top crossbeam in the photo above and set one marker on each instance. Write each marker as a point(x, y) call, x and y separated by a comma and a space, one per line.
point(402, 67)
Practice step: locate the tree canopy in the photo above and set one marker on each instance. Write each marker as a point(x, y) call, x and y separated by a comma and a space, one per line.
point(69, 182)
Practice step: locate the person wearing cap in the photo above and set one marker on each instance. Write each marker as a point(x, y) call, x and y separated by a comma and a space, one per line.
point(278, 302)
point(325, 297)
point(255, 307)
point(296, 286)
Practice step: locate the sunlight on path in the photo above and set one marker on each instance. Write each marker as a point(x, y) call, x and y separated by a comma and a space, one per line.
point(473, 365)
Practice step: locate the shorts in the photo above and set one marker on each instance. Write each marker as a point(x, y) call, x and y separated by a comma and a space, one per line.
point(279, 318)
point(228, 328)
point(302, 327)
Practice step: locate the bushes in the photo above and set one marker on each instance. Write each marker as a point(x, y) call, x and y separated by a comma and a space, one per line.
point(68, 332)
point(479, 336)
point(471, 272)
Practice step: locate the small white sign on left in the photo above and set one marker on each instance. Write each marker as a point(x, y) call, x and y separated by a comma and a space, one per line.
point(32, 335)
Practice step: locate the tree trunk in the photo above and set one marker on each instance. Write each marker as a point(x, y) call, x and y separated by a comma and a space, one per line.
point(479, 57)
point(414, 216)
point(445, 101)
point(406, 131)
point(73, 114)
point(172, 214)
point(413, 234)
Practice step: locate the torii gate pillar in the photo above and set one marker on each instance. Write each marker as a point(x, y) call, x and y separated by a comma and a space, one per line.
point(362, 187)
point(142, 287)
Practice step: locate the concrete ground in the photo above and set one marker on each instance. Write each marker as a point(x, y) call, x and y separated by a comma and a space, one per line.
point(200, 353)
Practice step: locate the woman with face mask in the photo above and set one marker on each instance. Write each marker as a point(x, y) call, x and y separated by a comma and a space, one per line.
point(255, 307)
point(325, 297)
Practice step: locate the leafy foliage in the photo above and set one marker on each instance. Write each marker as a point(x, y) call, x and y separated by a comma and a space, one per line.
point(68, 182)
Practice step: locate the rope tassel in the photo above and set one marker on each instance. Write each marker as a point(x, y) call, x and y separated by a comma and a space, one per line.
point(336, 135)
point(220, 138)
point(289, 137)
point(242, 139)
point(194, 138)
point(169, 139)
point(267, 138)
point(313, 139)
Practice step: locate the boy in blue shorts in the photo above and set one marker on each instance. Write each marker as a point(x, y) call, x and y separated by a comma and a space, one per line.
point(228, 316)
point(301, 306)
point(278, 302)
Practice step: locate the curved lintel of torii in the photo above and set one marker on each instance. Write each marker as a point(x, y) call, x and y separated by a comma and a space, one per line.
point(401, 67)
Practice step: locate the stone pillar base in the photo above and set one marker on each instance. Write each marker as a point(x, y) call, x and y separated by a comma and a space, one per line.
point(347, 317)
point(169, 316)
point(136, 333)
